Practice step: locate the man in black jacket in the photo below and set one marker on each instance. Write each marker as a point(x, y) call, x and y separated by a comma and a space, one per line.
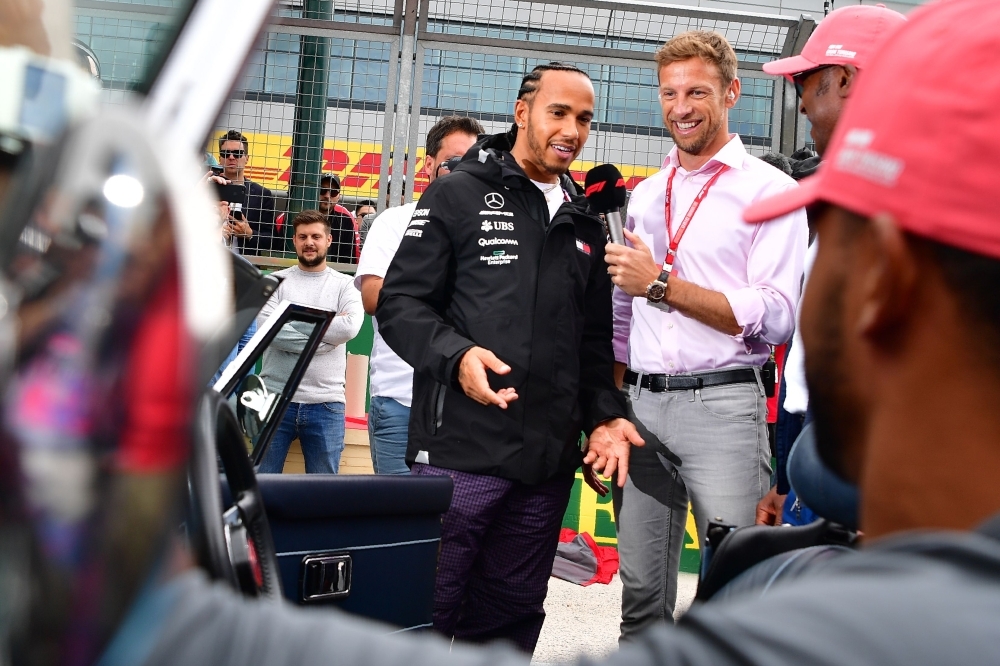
point(500, 300)
point(258, 206)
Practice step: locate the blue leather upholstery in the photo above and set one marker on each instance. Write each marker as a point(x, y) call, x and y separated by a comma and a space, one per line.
point(389, 525)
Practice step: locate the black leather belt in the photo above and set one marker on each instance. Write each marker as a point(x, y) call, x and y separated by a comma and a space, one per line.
point(660, 383)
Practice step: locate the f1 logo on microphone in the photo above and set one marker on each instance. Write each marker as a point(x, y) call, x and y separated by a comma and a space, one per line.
point(599, 186)
point(494, 200)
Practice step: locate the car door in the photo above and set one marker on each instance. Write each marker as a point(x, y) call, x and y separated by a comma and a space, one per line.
point(367, 544)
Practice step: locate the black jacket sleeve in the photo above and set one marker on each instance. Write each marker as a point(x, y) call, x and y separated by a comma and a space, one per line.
point(416, 293)
point(600, 400)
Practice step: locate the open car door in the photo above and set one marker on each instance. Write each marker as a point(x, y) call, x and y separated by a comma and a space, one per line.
point(367, 544)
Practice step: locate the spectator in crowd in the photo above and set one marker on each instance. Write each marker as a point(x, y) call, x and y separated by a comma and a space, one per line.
point(364, 214)
point(316, 413)
point(499, 299)
point(366, 207)
point(258, 206)
point(824, 78)
point(696, 331)
point(346, 245)
point(391, 377)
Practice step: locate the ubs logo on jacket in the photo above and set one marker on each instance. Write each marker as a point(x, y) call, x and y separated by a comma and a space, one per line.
point(499, 225)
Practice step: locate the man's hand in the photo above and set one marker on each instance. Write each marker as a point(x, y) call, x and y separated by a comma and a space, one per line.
point(608, 448)
point(590, 476)
point(631, 268)
point(770, 507)
point(239, 228)
point(472, 377)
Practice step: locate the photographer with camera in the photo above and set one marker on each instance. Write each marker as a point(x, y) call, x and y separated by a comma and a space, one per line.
point(250, 226)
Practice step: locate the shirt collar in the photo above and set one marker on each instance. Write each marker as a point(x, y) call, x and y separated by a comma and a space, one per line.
point(732, 154)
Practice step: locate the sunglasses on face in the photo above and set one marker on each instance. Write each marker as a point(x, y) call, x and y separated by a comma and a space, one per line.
point(327, 190)
point(799, 80)
point(449, 164)
point(225, 154)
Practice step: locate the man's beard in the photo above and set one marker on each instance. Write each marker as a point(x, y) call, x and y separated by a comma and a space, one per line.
point(312, 263)
point(836, 412)
point(696, 144)
point(538, 151)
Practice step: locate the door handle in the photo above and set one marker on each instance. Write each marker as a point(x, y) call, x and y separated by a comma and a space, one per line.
point(326, 577)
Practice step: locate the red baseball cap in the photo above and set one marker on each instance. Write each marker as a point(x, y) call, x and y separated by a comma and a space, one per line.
point(848, 36)
point(920, 136)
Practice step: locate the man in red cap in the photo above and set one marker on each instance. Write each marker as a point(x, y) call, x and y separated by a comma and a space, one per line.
point(901, 318)
point(824, 73)
point(823, 76)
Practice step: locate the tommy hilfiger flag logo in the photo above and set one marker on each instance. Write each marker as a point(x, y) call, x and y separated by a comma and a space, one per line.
point(582, 247)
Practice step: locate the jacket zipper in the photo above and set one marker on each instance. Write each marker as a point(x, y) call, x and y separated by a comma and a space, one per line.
point(438, 407)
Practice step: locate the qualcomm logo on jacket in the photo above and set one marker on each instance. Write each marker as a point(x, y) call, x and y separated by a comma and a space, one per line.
point(483, 242)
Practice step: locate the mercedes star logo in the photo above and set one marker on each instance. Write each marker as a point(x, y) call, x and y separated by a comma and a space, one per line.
point(494, 200)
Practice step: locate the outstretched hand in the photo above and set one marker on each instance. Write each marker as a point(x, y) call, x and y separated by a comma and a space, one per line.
point(609, 446)
point(472, 378)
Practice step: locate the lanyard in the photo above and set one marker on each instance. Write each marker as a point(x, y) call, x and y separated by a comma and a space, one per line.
point(668, 262)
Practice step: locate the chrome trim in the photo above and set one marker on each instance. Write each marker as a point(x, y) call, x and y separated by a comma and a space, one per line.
point(299, 553)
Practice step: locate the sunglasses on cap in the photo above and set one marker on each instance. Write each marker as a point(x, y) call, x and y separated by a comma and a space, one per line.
point(799, 80)
point(225, 154)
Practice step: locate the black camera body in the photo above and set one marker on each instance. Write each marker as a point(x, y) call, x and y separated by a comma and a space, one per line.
point(235, 196)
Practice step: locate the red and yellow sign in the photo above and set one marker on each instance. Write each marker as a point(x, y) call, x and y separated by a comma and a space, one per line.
point(589, 512)
point(358, 165)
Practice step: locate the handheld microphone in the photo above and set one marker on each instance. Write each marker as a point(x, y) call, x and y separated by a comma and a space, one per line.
point(606, 193)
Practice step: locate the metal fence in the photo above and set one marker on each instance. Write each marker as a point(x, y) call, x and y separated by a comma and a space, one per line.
point(350, 87)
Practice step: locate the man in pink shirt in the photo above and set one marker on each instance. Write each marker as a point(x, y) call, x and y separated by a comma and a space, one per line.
point(700, 297)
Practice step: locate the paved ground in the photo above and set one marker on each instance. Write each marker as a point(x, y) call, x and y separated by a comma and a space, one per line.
point(584, 620)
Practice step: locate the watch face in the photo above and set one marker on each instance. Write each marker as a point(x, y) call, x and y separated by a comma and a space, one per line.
point(655, 291)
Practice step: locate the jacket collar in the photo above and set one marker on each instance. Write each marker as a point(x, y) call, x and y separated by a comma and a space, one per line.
point(490, 159)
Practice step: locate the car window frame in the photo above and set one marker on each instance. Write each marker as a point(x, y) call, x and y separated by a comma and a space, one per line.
point(284, 312)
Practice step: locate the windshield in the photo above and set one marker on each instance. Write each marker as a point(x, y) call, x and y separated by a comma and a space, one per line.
point(129, 48)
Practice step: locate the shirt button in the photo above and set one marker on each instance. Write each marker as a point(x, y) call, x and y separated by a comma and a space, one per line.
point(670, 325)
point(670, 365)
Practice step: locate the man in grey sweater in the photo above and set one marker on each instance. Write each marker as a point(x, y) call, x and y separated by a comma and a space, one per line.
point(316, 413)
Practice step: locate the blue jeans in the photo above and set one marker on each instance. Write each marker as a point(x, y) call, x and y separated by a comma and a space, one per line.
point(320, 429)
point(388, 422)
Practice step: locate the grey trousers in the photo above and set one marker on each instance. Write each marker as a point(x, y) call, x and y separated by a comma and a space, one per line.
point(713, 451)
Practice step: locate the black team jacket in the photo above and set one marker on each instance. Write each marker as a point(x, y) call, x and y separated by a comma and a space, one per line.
point(482, 264)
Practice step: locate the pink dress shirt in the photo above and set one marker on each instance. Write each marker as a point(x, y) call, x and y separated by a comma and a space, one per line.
point(757, 267)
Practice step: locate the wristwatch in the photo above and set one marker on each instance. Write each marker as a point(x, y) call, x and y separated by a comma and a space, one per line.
point(657, 290)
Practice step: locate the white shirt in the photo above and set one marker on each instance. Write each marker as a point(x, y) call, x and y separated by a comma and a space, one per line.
point(554, 196)
point(391, 376)
point(796, 392)
point(757, 267)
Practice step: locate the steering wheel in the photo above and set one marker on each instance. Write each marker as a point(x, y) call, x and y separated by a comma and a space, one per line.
point(232, 544)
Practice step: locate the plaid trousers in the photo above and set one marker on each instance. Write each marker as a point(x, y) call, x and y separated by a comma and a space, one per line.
point(498, 543)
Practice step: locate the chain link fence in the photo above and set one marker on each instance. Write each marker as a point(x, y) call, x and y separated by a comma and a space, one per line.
point(349, 88)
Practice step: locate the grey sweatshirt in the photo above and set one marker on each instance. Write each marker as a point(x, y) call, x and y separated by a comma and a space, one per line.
point(324, 378)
